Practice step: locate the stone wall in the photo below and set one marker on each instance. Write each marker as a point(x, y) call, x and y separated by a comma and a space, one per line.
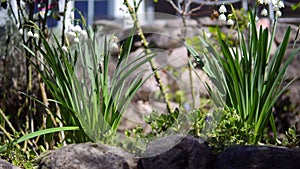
point(180, 152)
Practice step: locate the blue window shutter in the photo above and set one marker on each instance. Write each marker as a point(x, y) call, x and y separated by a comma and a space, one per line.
point(82, 6)
point(100, 9)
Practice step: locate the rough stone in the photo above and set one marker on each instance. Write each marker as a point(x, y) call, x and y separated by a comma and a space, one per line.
point(207, 21)
point(178, 57)
point(293, 69)
point(176, 152)
point(109, 25)
point(178, 22)
point(87, 156)
point(258, 157)
point(199, 80)
point(154, 27)
point(281, 29)
point(287, 107)
point(164, 40)
point(6, 165)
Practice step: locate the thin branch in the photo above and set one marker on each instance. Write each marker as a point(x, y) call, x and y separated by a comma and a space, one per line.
point(187, 5)
point(195, 9)
point(174, 6)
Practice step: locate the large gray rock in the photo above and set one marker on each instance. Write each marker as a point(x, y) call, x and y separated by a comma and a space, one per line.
point(87, 156)
point(165, 40)
point(178, 57)
point(207, 21)
point(176, 152)
point(6, 165)
point(258, 157)
point(281, 29)
point(288, 105)
point(178, 22)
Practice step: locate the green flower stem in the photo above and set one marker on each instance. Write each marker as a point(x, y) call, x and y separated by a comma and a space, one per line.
point(148, 52)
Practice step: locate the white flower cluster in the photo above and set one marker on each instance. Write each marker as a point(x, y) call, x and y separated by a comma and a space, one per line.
point(29, 34)
point(222, 16)
point(75, 32)
point(277, 5)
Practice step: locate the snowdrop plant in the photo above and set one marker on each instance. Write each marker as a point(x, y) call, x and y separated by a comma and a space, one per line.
point(77, 77)
point(247, 79)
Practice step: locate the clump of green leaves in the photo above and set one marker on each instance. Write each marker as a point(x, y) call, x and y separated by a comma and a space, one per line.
point(247, 78)
point(226, 133)
point(291, 138)
point(80, 83)
point(194, 123)
point(159, 124)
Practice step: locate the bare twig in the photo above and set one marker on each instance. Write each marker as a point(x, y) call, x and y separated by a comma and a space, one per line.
point(174, 6)
point(195, 9)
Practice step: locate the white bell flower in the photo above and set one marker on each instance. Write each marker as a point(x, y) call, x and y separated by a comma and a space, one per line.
point(280, 4)
point(76, 40)
point(230, 22)
point(77, 29)
point(222, 9)
point(64, 48)
point(21, 31)
point(278, 13)
point(264, 12)
point(84, 34)
point(267, 1)
point(222, 17)
point(36, 35)
point(71, 34)
point(29, 34)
